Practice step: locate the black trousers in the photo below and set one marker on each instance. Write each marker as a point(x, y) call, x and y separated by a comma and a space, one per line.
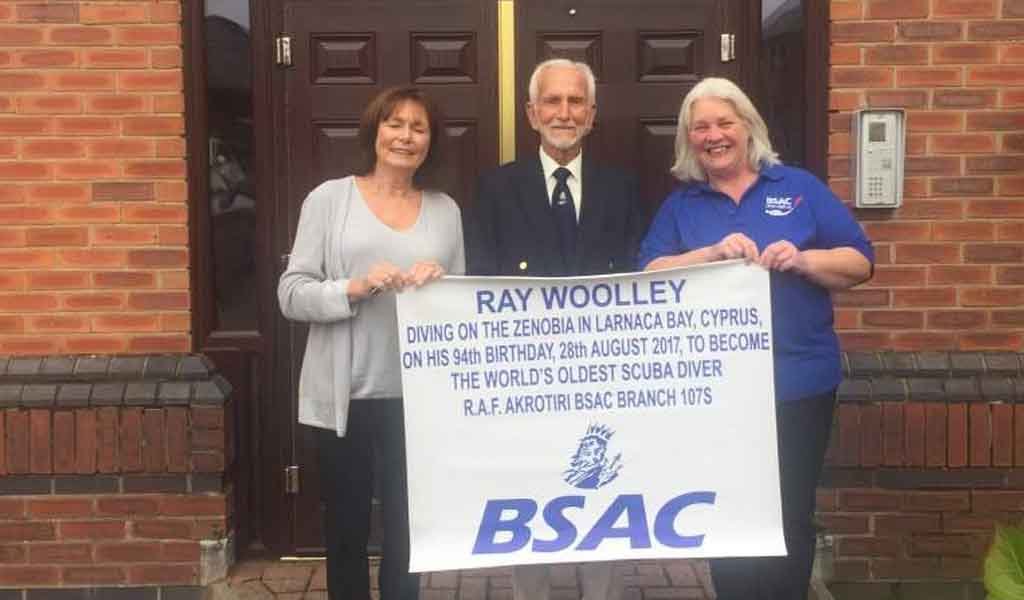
point(373, 447)
point(803, 430)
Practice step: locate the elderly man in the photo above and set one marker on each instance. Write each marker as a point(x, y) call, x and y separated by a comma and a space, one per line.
point(553, 214)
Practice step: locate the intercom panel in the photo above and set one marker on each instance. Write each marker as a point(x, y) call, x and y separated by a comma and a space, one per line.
point(881, 138)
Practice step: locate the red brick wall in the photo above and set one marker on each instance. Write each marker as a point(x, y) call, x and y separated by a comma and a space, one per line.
point(914, 535)
point(916, 488)
point(112, 472)
point(950, 273)
point(109, 496)
point(93, 213)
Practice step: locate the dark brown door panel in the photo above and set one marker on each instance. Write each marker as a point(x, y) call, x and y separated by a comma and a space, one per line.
point(344, 53)
point(645, 54)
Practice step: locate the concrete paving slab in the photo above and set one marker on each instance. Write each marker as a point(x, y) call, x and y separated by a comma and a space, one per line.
point(644, 580)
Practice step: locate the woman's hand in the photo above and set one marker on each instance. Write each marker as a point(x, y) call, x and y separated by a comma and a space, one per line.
point(735, 245)
point(833, 269)
point(423, 272)
point(383, 276)
point(783, 256)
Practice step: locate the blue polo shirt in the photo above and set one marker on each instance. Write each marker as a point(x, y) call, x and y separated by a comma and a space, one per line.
point(784, 203)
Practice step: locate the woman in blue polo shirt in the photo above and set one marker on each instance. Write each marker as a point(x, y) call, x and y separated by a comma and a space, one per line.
point(738, 201)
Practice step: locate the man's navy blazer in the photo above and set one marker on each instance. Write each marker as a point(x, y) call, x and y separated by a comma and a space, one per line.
point(511, 230)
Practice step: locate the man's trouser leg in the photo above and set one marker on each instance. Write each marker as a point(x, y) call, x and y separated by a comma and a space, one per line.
point(531, 582)
point(598, 581)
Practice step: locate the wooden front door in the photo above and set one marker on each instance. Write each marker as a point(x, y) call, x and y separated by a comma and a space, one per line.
point(645, 53)
point(343, 54)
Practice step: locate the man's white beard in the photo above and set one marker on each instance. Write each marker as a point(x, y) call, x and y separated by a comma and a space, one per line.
point(563, 143)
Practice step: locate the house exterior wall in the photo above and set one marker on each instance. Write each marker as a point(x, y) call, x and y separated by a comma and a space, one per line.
point(950, 272)
point(112, 472)
point(94, 255)
point(111, 467)
point(925, 459)
point(93, 212)
point(926, 453)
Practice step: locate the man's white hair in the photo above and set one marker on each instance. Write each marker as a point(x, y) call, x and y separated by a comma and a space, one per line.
point(583, 68)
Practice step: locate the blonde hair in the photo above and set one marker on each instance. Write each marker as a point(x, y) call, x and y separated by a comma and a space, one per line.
point(759, 150)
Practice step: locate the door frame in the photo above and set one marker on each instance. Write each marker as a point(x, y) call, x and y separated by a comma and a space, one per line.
point(263, 446)
point(816, 67)
point(816, 14)
point(243, 474)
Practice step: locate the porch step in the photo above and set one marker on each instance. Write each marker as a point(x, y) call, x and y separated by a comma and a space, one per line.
point(305, 580)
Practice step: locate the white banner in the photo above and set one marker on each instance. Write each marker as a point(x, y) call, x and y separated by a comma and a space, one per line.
point(590, 418)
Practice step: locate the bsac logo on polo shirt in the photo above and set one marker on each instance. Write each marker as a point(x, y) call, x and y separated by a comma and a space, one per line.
point(780, 206)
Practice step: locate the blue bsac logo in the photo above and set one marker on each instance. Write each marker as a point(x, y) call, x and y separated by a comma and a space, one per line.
point(589, 467)
point(780, 206)
point(510, 520)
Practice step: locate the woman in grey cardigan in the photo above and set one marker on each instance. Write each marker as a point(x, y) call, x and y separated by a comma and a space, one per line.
point(360, 240)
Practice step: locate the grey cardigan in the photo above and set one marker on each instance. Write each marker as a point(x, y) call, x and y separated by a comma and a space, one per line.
point(313, 289)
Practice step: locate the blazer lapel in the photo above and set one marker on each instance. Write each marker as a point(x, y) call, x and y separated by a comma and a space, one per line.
point(533, 197)
point(595, 201)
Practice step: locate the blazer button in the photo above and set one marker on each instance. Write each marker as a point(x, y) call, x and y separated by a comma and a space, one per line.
point(523, 265)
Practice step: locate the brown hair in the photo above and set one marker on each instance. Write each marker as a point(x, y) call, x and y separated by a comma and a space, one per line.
point(377, 111)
